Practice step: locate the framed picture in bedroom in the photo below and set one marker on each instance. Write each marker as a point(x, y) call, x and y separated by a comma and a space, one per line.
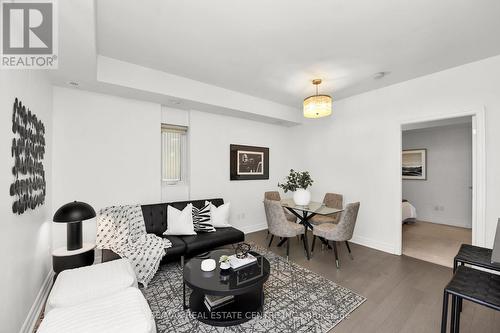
point(414, 164)
point(248, 162)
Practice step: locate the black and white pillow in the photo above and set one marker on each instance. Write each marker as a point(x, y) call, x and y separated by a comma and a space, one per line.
point(201, 219)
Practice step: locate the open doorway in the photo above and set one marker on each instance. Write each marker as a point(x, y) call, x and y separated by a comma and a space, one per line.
point(437, 188)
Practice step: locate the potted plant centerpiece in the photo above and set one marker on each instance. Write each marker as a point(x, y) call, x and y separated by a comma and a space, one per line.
point(298, 182)
point(224, 262)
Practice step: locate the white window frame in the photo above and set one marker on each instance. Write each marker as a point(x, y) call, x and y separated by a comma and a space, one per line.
point(183, 131)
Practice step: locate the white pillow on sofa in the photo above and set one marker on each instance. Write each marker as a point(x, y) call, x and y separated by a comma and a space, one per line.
point(219, 215)
point(180, 222)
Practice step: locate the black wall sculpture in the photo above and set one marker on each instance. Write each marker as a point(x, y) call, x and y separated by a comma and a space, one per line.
point(28, 150)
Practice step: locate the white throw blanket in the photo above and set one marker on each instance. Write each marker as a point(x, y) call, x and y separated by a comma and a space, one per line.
point(122, 230)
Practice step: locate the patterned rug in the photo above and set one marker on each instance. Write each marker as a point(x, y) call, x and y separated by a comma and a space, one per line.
point(296, 300)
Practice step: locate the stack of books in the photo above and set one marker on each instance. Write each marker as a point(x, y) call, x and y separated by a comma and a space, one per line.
point(236, 262)
point(215, 302)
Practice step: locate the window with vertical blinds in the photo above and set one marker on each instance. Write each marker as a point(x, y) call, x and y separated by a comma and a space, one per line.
point(173, 145)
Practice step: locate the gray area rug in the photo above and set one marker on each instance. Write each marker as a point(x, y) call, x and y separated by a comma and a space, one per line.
point(296, 300)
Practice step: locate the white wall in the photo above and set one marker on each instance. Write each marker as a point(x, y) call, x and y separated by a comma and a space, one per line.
point(24, 239)
point(210, 138)
point(357, 151)
point(446, 196)
point(106, 152)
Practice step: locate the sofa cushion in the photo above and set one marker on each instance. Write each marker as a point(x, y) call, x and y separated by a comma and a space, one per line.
point(178, 247)
point(196, 203)
point(155, 218)
point(208, 241)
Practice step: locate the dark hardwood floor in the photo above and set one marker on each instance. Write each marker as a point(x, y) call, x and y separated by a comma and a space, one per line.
point(403, 294)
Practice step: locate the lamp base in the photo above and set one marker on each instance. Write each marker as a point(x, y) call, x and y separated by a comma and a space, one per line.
point(74, 237)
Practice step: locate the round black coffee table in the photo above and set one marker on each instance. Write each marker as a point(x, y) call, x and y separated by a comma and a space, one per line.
point(245, 284)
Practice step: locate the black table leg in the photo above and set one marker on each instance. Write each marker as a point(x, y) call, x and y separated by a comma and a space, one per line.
point(453, 312)
point(304, 221)
point(184, 295)
point(262, 300)
point(457, 314)
point(444, 316)
point(455, 266)
point(306, 245)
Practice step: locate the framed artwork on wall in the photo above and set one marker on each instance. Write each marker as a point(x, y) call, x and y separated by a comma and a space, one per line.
point(414, 164)
point(248, 162)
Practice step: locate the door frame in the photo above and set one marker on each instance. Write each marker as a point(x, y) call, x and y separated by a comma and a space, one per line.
point(478, 172)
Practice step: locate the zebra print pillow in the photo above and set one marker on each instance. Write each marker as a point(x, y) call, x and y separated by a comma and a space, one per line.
point(201, 219)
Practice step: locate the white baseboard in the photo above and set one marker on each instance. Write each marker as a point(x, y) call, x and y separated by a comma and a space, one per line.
point(253, 228)
point(36, 308)
point(368, 242)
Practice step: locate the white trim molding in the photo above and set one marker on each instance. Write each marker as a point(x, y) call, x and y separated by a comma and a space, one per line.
point(37, 307)
point(247, 229)
point(478, 173)
point(374, 244)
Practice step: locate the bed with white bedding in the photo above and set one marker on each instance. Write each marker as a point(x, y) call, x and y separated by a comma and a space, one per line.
point(408, 212)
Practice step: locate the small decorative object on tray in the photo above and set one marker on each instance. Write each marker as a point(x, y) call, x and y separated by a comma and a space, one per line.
point(236, 262)
point(215, 302)
point(242, 249)
point(224, 262)
point(208, 265)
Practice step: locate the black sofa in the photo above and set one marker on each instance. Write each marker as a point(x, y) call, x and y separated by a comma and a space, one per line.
point(156, 220)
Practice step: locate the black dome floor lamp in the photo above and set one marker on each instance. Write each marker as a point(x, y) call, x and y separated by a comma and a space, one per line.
point(73, 213)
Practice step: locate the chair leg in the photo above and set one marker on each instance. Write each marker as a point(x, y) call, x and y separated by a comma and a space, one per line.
point(314, 243)
point(287, 248)
point(444, 316)
point(270, 242)
point(349, 249)
point(337, 264)
point(267, 234)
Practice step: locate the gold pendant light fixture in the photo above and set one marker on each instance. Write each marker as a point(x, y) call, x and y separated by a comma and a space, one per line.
point(317, 106)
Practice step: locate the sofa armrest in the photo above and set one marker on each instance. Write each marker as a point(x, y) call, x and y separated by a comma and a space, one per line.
point(109, 255)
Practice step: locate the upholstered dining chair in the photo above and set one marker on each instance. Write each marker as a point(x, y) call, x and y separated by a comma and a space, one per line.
point(340, 232)
point(332, 200)
point(275, 195)
point(279, 226)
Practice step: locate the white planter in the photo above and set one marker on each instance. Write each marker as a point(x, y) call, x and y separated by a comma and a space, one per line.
point(302, 197)
point(225, 265)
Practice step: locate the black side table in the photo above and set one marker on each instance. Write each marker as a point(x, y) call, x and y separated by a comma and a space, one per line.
point(63, 259)
point(474, 256)
point(245, 284)
point(473, 285)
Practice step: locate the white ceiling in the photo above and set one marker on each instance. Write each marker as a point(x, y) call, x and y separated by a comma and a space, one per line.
point(272, 49)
